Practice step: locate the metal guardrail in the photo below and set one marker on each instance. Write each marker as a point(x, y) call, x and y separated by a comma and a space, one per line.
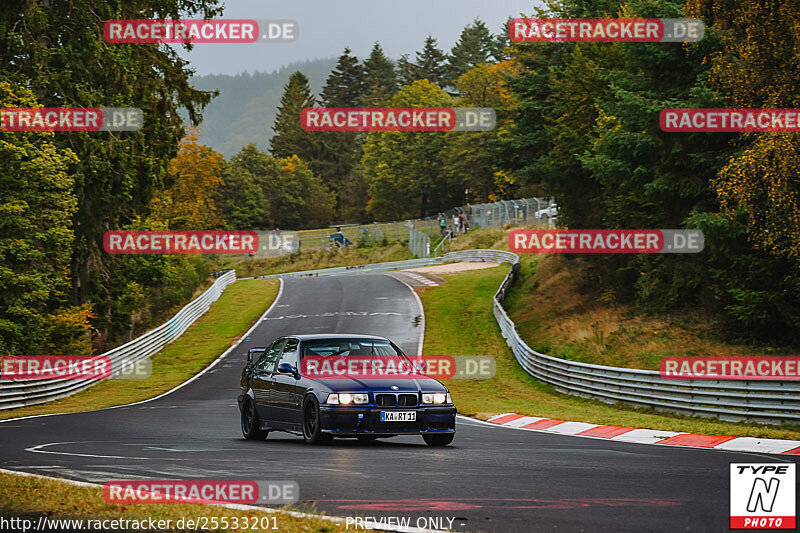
point(360, 269)
point(23, 392)
point(773, 402)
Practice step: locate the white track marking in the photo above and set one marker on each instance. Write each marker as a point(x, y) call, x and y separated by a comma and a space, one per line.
point(39, 449)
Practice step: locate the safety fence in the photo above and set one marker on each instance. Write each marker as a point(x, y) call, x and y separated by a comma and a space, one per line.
point(419, 244)
point(22, 392)
point(525, 211)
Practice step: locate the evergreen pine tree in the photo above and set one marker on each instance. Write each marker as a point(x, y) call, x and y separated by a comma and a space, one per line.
point(290, 138)
point(431, 63)
point(345, 85)
point(475, 46)
point(381, 78)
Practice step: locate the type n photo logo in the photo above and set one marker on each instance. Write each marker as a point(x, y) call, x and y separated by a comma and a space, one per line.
point(763, 496)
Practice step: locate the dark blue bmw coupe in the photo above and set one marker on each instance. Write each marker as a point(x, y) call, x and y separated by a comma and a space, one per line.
point(276, 396)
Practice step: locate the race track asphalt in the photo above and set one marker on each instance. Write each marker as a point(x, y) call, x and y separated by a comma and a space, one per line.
point(489, 479)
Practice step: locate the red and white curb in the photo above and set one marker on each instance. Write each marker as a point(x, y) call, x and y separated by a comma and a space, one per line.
point(421, 279)
point(647, 436)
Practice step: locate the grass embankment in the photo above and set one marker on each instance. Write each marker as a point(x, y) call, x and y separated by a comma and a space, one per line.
point(459, 321)
point(32, 497)
point(311, 260)
point(228, 318)
point(556, 313)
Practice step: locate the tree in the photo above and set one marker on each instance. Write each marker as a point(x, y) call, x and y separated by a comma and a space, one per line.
point(758, 66)
point(37, 203)
point(404, 169)
point(380, 78)
point(339, 152)
point(475, 46)
point(262, 192)
point(57, 49)
point(345, 85)
point(431, 65)
point(290, 138)
point(471, 158)
point(314, 202)
point(189, 203)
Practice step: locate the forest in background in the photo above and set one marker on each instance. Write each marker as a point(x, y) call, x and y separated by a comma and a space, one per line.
point(578, 121)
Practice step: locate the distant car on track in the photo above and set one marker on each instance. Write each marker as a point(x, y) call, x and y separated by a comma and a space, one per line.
point(548, 212)
point(276, 396)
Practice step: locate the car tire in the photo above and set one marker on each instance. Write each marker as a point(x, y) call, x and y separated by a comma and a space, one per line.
point(312, 427)
point(251, 426)
point(442, 439)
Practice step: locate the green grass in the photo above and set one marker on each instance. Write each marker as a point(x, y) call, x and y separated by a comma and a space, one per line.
point(33, 497)
point(227, 319)
point(459, 321)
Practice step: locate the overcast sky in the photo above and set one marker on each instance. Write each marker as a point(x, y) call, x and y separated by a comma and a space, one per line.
point(327, 26)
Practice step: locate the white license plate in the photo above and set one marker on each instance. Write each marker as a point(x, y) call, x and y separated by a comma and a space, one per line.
point(398, 416)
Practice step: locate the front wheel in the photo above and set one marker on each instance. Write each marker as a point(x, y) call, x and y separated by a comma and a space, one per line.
point(250, 423)
point(312, 425)
point(439, 439)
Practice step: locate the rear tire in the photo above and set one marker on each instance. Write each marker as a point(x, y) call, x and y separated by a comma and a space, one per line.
point(439, 440)
point(250, 423)
point(312, 426)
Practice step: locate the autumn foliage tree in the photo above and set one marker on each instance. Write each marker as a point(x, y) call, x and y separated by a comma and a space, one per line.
point(189, 202)
point(759, 67)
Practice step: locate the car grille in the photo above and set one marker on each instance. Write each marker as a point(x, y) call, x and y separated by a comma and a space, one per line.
point(386, 400)
point(407, 400)
point(394, 400)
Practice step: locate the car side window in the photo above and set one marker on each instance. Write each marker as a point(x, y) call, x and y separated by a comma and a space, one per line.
point(267, 361)
point(290, 352)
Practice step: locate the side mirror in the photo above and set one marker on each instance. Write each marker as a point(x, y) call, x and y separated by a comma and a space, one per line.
point(286, 368)
point(254, 353)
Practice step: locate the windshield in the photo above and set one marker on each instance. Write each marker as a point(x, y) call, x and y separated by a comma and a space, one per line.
point(360, 347)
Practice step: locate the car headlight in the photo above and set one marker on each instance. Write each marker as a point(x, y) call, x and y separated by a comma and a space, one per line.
point(345, 398)
point(436, 398)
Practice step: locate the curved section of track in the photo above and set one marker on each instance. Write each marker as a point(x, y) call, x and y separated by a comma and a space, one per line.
point(490, 479)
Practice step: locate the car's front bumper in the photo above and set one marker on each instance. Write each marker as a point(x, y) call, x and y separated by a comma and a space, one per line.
point(352, 420)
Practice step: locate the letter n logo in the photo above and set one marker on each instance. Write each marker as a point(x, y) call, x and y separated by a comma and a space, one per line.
point(763, 494)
